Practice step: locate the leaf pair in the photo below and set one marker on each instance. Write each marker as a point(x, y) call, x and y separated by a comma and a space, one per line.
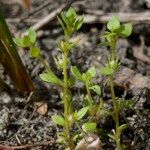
point(70, 22)
point(123, 30)
point(87, 77)
point(78, 115)
point(29, 41)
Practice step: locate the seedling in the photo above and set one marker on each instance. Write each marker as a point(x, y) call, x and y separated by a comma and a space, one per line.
point(70, 23)
point(94, 108)
point(110, 37)
point(71, 117)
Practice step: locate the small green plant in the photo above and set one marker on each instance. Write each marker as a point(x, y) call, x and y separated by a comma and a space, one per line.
point(110, 37)
point(70, 23)
point(94, 108)
point(72, 118)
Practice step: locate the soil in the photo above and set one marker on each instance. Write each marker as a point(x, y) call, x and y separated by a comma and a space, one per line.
point(21, 124)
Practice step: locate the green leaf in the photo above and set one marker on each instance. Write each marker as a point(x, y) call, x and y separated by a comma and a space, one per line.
point(18, 42)
point(112, 137)
point(96, 89)
point(125, 30)
point(79, 22)
point(51, 77)
point(92, 71)
point(26, 41)
point(81, 113)
point(105, 112)
point(84, 76)
point(113, 24)
point(71, 81)
point(59, 120)
point(61, 23)
point(35, 52)
point(71, 13)
point(107, 71)
point(32, 35)
point(89, 127)
point(124, 104)
point(128, 103)
point(76, 73)
point(64, 19)
point(122, 127)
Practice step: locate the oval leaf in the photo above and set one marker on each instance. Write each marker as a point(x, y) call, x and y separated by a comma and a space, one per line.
point(92, 71)
point(81, 113)
point(35, 52)
point(89, 127)
point(18, 42)
point(125, 30)
point(59, 120)
point(76, 73)
point(71, 12)
point(51, 77)
point(32, 35)
point(96, 89)
point(113, 24)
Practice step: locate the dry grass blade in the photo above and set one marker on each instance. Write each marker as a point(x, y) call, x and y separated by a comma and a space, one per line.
point(11, 61)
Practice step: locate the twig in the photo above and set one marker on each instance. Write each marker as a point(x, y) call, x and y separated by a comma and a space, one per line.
point(33, 145)
point(100, 17)
point(17, 20)
point(93, 17)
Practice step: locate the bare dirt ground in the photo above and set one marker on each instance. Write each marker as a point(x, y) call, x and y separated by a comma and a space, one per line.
point(20, 122)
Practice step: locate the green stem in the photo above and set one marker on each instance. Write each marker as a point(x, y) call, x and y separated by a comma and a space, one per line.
point(113, 47)
point(66, 100)
point(116, 114)
point(99, 109)
point(88, 94)
point(89, 100)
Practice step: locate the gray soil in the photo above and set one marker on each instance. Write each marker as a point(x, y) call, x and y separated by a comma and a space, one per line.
point(21, 124)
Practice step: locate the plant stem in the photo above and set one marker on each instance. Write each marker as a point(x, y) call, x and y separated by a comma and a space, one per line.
point(89, 99)
point(99, 109)
point(66, 100)
point(88, 94)
point(116, 114)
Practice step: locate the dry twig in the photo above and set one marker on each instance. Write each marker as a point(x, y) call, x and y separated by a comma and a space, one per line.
point(33, 145)
point(100, 17)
